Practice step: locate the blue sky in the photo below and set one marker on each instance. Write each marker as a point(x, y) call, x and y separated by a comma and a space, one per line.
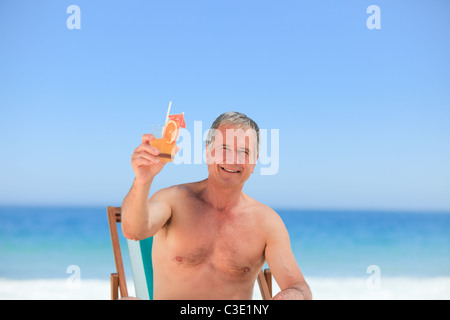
point(364, 115)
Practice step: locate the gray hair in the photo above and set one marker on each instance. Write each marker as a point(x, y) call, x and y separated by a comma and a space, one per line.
point(233, 119)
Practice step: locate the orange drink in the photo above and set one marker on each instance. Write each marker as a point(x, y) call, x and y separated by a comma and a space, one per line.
point(166, 150)
point(166, 137)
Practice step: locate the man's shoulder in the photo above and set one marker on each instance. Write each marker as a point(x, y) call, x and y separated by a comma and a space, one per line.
point(268, 219)
point(180, 190)
point(262, 209)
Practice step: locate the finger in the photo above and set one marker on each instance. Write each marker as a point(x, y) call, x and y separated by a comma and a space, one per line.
point(145, 155)
point(147, 148)
point(141, 161)
point(146, 138)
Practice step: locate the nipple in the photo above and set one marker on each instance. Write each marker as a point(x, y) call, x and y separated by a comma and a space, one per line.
point(178, 259)
point(246, 269)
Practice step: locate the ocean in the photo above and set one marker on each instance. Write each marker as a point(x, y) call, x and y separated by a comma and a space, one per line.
point(342, 254)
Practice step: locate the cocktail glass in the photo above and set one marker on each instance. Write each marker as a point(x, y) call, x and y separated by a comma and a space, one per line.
point(166, 146)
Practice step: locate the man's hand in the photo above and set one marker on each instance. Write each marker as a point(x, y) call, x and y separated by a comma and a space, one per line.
point(144, 160)
point(289, 294)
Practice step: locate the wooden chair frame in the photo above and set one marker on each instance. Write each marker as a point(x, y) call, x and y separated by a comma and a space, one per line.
point(118, 281)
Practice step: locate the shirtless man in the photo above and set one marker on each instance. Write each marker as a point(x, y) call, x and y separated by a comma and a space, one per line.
point(210, 238)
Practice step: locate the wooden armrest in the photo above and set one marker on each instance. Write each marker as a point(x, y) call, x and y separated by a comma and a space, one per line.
point(115, 289)
point(114, 280)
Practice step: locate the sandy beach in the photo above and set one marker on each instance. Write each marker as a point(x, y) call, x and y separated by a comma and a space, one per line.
point(323, 289)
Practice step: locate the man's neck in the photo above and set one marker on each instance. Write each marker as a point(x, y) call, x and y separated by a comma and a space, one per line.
point(223, 199)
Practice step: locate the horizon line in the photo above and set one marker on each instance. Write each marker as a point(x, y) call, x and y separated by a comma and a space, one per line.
point(276, 208)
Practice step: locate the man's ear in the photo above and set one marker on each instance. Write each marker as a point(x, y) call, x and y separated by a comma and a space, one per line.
point(257, 157)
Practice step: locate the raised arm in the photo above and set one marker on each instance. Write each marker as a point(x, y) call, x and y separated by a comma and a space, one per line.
point(143, 220)
point(282, 263)
point(143, 217)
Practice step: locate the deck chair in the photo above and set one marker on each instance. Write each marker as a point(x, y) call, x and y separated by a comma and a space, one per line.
point(141, 265)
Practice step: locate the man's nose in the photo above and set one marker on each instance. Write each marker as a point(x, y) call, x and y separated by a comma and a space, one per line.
point(231, 157)
point(238, 157)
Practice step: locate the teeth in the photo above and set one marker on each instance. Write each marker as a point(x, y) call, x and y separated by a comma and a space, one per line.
point(232, 171)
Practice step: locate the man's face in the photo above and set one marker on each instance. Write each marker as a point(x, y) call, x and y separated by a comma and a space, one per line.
point(232, 156)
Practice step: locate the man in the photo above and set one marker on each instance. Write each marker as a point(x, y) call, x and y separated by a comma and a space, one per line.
point(210, 238)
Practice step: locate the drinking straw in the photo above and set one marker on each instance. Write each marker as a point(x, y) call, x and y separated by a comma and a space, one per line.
point(168, 111)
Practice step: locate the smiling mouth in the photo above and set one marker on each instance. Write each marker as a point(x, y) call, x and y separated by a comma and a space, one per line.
point(230, 171)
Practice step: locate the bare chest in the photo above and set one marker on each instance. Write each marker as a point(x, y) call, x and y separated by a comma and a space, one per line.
point(229, 245)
